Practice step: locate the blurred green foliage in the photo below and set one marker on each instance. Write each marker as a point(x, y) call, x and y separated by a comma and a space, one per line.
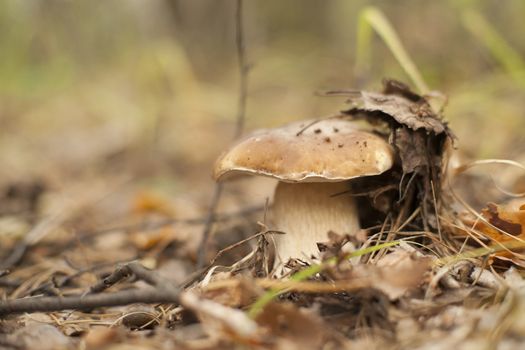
point(162, 75)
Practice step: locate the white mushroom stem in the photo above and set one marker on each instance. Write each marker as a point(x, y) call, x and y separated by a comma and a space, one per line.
point(307, 212)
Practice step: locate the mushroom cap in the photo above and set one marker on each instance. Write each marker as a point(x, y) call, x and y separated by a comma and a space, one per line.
point(329, 150)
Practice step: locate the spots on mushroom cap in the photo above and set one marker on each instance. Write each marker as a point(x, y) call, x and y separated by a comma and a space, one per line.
point(281, 154)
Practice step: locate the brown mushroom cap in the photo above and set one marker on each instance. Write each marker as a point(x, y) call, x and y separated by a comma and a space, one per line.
point(330, 150)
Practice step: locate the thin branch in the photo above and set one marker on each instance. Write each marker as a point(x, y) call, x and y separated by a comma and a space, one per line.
point(120, 273)
point(16, 255)
point(123, 271)
point(148, 295)
point(241, 113)
point(48, 288)
point(208, 225)
point(162, 291)
point(153, 225)
point(243, 70)
point(146, 226)
point(241, 242)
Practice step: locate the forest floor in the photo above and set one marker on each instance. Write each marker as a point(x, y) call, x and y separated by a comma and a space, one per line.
point(96, 261)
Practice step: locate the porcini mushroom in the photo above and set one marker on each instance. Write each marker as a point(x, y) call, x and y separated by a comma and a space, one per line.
point(312, 161)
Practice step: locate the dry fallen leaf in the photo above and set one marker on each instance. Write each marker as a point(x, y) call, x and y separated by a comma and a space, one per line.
point(221, 322)
point(397, 273)
point(239, 295)
point(42, 336)
point(149, 202)
point(145, 240)
point(418, 134)
point(99, 337)
point(503, 222)
point(500, 224)
point(399, 103)
point(290, 328)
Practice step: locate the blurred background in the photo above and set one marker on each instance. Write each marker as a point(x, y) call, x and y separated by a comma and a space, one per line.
point(109, 99)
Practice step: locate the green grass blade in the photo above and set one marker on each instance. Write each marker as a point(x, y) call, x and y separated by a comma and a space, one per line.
point(499, 48)
point(363, 44)
point(372, 18)
point(479, 252)
point(310, 271)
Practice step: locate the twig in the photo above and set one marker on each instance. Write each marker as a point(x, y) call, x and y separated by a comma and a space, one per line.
point(45, 287)
point(241, 242)
point(148, 295)
point(315, 121)
point(123, 271)
point(194, 276)
point(218, 217)
point(154, 225)
point(9, 283)
point(16, 255)
point(162, 291)
point(43, 228)
point(243, 70)
point(208, 225)
point(35, 235)
point(241, 112)
point(118, 275)
point(299, 286)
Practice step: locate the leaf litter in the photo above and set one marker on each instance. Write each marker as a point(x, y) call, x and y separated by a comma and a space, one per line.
point(409, 282)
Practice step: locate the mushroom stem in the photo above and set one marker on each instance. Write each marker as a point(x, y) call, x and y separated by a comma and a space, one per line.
point(306, 212)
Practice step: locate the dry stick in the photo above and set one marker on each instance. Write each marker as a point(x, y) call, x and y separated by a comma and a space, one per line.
point(241, 111)
point(193, 277)
point(162, 291)
point(118, 275)
point(149, 225)
point(123, 271)
point(45, 304)
point(208, 225)
point(38, 232)
point(243, 71)
point(143, 226)
point(10, 283)
point(44, 288)
point(16, 255)
point(313, 122)
point(241, 242)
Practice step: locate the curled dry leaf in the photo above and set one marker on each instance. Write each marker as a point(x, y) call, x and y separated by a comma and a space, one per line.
point(416, 113)
point(338, 245)
point(290, 328)
point(421, 139)
point(42, 336)
point(510, 221)
point(144, 240)
point(398, 103)
point(412, 149)
point(240, 294)
point(99, 337)
point(220, 321)
point(398, 272)
point(504, 223)
point(148, 202)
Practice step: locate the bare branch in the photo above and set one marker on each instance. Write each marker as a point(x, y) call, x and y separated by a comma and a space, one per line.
point(162, 291)
point(243, 70)
point(241, 112)
point(45, 304)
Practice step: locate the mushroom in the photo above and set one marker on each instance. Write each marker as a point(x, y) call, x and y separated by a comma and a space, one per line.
point(313, 162)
